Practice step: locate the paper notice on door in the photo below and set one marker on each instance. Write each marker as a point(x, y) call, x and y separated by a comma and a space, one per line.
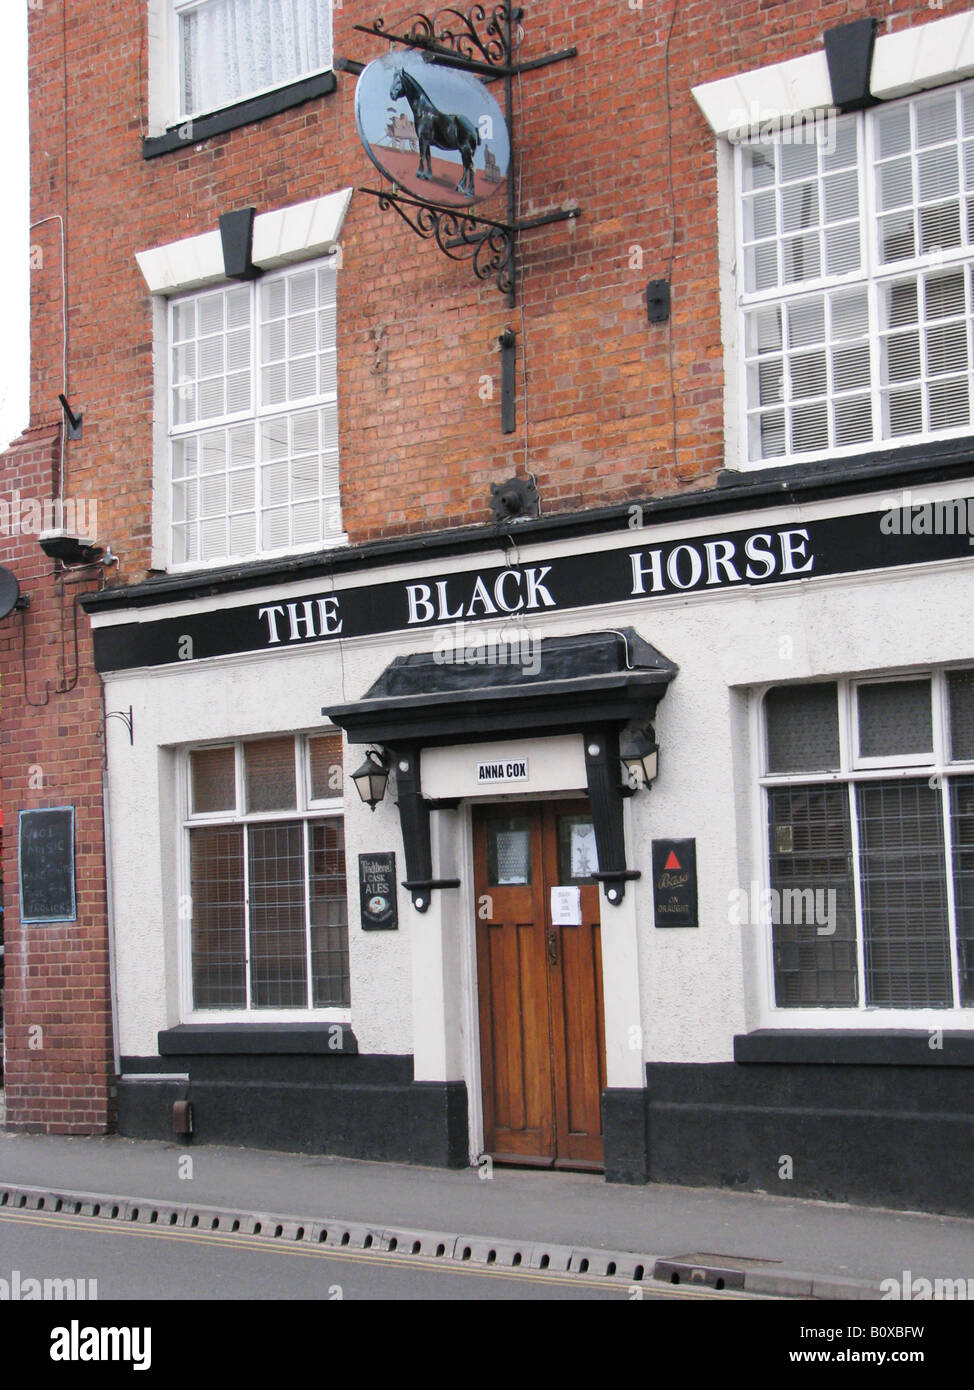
point(566, 907)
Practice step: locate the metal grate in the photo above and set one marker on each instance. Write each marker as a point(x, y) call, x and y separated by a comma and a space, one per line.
point(218, 941)
point(904, 895)
point(811, 869)
point(962, 837)
point(329, 913)
point(278, 947)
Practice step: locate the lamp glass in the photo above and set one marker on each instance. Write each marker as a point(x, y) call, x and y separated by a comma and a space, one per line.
point(371, 779)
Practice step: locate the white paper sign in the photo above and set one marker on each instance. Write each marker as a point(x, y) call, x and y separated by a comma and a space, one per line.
point(566, 907)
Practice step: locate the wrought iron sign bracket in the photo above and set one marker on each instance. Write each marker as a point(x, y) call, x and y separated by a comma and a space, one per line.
point(482, 41)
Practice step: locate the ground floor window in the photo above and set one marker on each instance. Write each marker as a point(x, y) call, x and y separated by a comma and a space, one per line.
point(869, 794)
point(268, 918)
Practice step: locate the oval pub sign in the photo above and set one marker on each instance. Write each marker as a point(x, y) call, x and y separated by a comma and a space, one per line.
point(436, 132)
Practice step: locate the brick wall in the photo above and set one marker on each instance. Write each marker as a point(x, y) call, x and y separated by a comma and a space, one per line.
point(57, 1015)
point(615, 408)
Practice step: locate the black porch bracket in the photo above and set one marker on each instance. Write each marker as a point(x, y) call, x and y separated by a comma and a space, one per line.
point(414, 819)
point(602, 769)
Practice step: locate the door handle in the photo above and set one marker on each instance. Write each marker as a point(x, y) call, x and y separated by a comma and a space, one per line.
point(553, 947)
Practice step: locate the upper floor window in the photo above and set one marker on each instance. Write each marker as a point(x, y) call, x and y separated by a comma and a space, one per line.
point(231, 49)
point(253, 418)
point(856, 279)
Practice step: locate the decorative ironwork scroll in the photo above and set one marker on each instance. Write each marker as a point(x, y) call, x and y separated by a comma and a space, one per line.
point(462, 237)
point(480, 37)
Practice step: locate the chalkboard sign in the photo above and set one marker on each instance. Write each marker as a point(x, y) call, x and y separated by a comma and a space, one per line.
point(675, 883)
point(46, 861)
point(377, 890)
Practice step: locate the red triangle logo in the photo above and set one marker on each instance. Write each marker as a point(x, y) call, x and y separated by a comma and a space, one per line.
point(672, 862)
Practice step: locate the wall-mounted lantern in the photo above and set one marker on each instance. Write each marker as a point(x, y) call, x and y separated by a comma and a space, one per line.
point(639, 753)
point(372, 778)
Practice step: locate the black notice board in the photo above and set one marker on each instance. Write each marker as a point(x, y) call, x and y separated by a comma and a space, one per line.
point(46, 863)
point(377, 891)
point(675, 883)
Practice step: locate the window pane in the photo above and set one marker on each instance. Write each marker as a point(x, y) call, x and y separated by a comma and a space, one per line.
point(270, 775)
point(895, 719)
point(960, 689)
point(278, 944)
point(962, 834)
point(217, 888)
point(904, 895)
point(509, 851)
point(325, 757)
point(329, 913)
point(578, 858)
point(213, 780)
point(803, 728)
point(813, 902)
point(229, 49)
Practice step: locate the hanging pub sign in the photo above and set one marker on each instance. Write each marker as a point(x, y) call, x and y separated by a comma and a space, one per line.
point(434, 131)
point(377, 891)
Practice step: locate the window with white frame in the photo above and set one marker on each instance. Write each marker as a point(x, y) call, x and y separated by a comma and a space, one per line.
point(856, 279)
point(227, 50)
point(869, 808)
point(253, 418)
point(265, 871)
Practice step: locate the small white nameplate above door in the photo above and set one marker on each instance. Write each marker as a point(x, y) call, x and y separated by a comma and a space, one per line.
point(503, 770)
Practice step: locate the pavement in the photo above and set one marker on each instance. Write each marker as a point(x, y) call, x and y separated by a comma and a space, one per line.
point(786, 1246)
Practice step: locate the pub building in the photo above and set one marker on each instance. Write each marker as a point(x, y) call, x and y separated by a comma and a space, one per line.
point(578, 771)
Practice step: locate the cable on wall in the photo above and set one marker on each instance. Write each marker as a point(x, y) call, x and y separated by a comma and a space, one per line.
point(672, 197)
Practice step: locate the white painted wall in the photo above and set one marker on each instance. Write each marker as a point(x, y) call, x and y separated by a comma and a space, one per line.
point(689, 990)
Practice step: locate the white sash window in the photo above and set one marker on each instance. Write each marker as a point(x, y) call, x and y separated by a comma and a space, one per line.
point(856, 279)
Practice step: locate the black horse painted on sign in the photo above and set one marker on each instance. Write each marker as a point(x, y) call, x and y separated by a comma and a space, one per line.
point(434, 127)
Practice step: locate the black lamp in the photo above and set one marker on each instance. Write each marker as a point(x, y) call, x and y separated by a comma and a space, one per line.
point(639, 752)
point(371, 778)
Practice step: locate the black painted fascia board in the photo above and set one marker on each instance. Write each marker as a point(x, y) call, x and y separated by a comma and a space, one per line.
point(513, 711)
point(241, 113)
point(195, 1039)
point(735, 492)
point(897, 1047)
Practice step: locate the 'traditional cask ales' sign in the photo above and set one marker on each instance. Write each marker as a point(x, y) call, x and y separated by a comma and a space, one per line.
point(377, 891)
point(675, 883)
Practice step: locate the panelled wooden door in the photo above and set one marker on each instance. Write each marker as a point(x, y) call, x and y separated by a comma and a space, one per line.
point(542, 1025)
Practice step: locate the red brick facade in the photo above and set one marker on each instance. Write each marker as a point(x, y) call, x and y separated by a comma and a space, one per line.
point(615, 408)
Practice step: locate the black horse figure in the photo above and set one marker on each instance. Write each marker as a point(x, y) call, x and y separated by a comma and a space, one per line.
point(435, 127)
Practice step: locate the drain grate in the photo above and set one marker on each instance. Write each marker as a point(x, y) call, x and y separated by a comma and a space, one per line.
point(623, 1267)
point(615, 1266)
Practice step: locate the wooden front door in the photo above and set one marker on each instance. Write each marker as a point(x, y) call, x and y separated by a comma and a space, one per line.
point(542, 1028)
